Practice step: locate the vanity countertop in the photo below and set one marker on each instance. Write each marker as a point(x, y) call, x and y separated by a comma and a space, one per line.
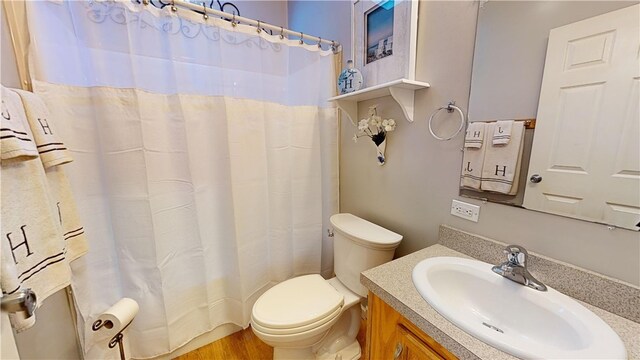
point(392, 283)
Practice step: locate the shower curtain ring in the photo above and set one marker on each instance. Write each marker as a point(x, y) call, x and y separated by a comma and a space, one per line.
point(259, 30)
point(281, 33)
point(204, 11)
point(333, 46)
point(320, 43)
point(233, 21)
point(173, 6)
point(301, 38)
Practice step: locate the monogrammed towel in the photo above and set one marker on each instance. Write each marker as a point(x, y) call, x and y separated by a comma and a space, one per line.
point(33, 250)
point(14, 141)
point(51, 149)
point(502, 132)
point(473, 160)
point(53, 153)
point(475, 135)
point(501, 169)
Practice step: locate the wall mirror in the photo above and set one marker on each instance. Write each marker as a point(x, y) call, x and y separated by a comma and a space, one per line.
point(570, 70)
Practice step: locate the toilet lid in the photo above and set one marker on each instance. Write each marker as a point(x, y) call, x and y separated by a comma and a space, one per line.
point(297, 302)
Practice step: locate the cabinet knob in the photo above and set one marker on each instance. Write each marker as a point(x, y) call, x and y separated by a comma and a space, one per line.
point(398, 351)
point(535, 178)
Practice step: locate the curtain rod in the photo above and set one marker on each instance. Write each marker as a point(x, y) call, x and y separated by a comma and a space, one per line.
point(237, 18)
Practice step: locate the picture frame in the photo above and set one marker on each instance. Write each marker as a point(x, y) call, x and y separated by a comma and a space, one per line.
point(384, 36)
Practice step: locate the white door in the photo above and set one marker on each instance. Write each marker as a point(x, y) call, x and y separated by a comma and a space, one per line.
point(586, 146)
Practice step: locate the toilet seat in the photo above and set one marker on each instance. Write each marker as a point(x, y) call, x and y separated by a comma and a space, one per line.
point(298, 329)
point(297, 305)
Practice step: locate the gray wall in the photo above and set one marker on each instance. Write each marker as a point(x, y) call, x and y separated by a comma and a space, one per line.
point(511, 46)
point(326, 19)
point(412, 193)
point(271, 11)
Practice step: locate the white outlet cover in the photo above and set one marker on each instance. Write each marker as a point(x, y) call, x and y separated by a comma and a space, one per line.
point(465, 210)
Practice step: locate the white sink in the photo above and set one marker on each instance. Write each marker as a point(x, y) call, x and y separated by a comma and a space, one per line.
point(516, 319)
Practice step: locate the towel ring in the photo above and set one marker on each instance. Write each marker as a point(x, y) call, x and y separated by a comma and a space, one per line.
point(451, 107)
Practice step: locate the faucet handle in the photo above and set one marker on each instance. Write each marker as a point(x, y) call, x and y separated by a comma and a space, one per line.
point(516, 255)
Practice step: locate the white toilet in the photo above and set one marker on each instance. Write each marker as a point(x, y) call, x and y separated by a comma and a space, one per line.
point(308, 317)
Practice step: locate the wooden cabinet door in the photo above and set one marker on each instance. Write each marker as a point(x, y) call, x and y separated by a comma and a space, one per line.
point(390, 336)
point(409, 347)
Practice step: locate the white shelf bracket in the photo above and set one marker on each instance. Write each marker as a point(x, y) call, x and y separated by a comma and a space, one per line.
point(404, 98)
point(401, 91)
point(350, 108)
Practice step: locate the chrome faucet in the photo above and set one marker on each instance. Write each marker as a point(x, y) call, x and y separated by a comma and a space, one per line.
point(515, 268)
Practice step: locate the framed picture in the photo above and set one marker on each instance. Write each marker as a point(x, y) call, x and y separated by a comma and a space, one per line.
point(384, 39)
point(378, 32)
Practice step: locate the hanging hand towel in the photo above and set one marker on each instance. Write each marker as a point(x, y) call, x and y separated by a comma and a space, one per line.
point(67, 214)
point(32, 249)
point(475, 135)
point(473, 160)
point(502, 132)
point(501, 169)
point(53, 152)
point(14, 141)
point(51, 149)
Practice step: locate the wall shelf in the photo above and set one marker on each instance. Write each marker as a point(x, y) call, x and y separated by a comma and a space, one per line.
point(402, 91)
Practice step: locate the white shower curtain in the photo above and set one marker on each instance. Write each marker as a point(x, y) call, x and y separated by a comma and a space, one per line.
point(205, 161)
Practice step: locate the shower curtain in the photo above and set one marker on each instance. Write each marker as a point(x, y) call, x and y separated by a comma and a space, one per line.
point(205, 161)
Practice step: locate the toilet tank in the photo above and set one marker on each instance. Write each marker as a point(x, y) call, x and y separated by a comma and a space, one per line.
point(359, 245)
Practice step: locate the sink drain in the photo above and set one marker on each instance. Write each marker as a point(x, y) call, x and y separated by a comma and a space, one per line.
point(493, 327)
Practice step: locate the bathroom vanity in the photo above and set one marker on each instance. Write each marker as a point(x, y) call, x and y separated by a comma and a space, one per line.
point(402, 324)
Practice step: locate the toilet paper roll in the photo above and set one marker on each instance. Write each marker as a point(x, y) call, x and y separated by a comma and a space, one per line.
point(116, 317)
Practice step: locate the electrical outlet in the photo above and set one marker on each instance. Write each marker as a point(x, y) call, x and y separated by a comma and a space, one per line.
point(465, 210)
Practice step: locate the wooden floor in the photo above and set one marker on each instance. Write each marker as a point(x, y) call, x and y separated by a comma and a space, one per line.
point(244, 345)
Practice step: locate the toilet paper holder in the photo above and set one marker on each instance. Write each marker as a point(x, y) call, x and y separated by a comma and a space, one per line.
point(116, 339)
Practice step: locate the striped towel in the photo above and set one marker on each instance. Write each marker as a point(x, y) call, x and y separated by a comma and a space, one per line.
point(15, 142)
point(473, 160)
point(33, 253)
point(53, 153)
point(502, 132)
point(51, 149)
point(501, 168)
point(474, 136)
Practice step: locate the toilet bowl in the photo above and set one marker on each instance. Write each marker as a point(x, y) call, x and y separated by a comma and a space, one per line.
point(308, 317)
